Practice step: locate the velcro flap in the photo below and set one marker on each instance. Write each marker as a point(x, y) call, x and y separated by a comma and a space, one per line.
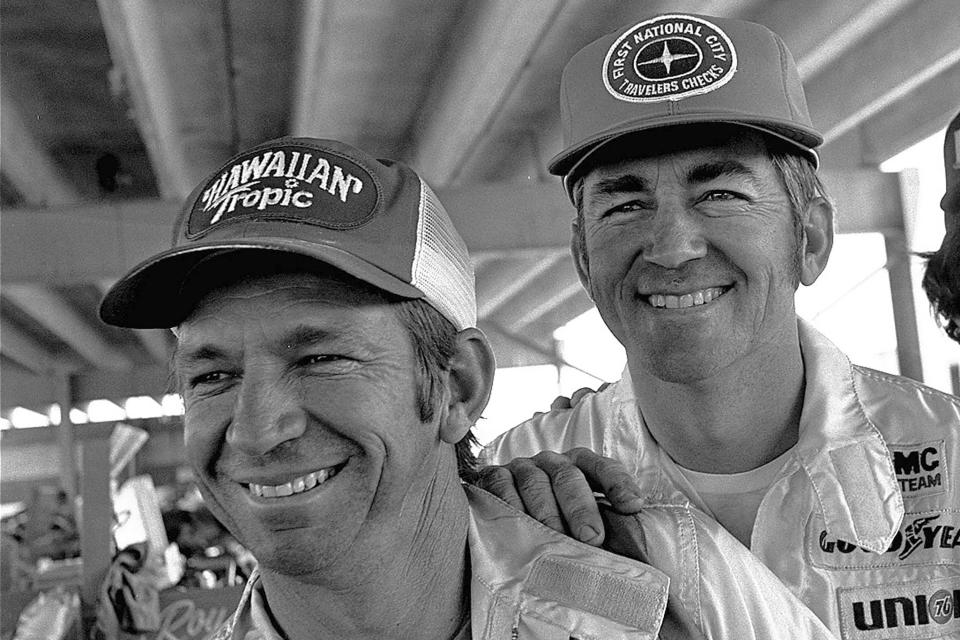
point(632, 602)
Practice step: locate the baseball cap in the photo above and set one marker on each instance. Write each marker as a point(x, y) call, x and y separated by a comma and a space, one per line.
point(951, 166)
point(376, 220)
point(674, 69)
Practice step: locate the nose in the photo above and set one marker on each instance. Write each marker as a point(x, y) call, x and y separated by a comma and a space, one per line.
point(676, 238)
point(266, 415)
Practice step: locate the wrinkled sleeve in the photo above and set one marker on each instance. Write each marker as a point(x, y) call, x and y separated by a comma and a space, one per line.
point(718, 589)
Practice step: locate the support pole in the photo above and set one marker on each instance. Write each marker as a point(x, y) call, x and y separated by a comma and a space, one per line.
point(66, 392)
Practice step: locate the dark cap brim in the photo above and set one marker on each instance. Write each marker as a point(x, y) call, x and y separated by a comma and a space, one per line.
point(804, 139)
point(151, 296)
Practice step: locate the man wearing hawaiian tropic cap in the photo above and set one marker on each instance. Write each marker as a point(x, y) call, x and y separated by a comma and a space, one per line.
point(377, 221)
point(941, 280)
point(331, 372)
point(691, 160)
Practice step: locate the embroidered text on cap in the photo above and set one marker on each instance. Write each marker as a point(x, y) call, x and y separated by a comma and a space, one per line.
point(294, 182)
point(669, 57)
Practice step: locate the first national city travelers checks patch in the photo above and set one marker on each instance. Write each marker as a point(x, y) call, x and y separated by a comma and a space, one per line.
point(669, 58)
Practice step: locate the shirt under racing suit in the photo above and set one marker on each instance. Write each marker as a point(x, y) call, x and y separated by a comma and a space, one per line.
point(531, 583)
point(863, 521)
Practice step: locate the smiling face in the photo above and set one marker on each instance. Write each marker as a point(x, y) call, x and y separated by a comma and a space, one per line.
point(691, 253)
point(301, 420)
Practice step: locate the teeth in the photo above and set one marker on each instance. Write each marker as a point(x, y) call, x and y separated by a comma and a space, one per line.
point(694, 299)
point(297, 485)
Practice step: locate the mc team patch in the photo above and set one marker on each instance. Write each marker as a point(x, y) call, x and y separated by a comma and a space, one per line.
point(670, 57)
point(921, 468)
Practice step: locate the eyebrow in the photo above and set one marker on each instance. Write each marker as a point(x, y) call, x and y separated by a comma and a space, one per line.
point(297, 336)
point(301, 335)
point(707, 171)
point(619, 184)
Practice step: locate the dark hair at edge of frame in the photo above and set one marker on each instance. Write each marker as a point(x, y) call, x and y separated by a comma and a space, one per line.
point(941, 282)
point(797, 175)
point(434, 340)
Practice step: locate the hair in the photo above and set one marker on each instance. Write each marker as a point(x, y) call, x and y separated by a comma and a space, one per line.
point(797, 174)
point(432, 335)
point(434, 340)
point(941, 282)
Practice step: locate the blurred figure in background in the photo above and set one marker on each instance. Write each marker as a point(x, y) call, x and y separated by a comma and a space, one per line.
point(941, 280)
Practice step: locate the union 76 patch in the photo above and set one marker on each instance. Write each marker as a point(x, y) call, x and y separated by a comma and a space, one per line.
point(669, 57)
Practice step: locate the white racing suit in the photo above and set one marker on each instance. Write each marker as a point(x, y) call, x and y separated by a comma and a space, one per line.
point(863, 521)
point(529, 582)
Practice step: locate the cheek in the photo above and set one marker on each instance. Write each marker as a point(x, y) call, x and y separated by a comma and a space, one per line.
point(203, 434)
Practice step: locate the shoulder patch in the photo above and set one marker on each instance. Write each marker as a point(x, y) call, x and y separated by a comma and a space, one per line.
point(924, 538)
point(921, 468)
point(670, 57)
point(905, 611)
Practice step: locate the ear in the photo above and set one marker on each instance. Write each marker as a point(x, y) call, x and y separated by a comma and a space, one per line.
point(579, 259)
point(817, 241)
point(470, 384)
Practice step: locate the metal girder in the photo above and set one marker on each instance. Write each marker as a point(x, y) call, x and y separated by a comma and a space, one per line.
point(48, 309)
point(25, 163)
point(904, 123)
point(478, 81)
point(886, 67)
point(102, 241)
point(505, 278)
point(309, 70)
point(133, 29)
point(817, 32)
point(21, 348)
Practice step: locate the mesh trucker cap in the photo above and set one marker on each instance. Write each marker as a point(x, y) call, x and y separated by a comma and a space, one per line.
point(951, 166)
point(676, 69)
point(377, 220)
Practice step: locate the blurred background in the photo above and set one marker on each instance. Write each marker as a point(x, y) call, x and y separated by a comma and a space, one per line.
point(112, 110)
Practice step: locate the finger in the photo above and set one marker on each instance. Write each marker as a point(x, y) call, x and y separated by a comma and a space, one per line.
point(609, 477)
point(579, 395)
point(499, 481)
point(574, 497)
point(536, 492)
point(560, 403)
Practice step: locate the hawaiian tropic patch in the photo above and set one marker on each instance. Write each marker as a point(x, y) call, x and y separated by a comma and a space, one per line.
point(670, 57)
point(295, 182)
point(922, 609)
point(924, 538)
point(921, 468)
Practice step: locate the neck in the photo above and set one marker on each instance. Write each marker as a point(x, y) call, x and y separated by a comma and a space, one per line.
point(409, 582)
point(742, 417)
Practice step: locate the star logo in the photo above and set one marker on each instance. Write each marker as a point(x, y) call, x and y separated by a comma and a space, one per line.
point(670, 57)
point(667, 57)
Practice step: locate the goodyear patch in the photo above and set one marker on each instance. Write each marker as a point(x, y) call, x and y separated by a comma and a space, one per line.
point(294, 182)
point(921, 468)
point(924, 538)
point(670, 57)
point(910, 610)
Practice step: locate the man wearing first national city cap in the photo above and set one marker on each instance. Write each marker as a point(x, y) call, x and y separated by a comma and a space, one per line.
point(331, 372)
point(691, 160)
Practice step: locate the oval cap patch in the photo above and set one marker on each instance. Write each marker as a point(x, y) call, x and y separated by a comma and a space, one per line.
point(293, 182)
point(669, 57)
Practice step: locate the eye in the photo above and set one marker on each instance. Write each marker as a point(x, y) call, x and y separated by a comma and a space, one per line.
point(625, 207)
point(315, 359)
point(722, 195)
point(209, 377)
